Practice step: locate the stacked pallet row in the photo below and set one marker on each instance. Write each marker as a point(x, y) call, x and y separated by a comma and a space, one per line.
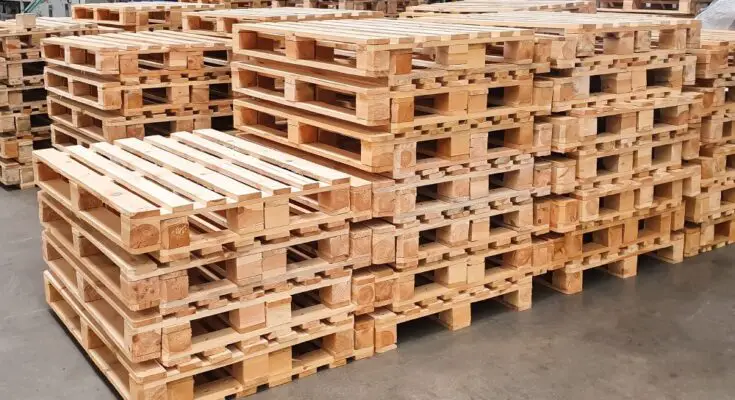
point(710, 215)
point(124, 85)
point(440, 119)
point(23, 120)
point(200, 265)
point(671, 8)
point(138, 16)
point(493, 6)
point(621, 129)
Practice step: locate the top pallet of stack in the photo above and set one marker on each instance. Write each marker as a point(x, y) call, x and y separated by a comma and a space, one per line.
point(379, 47)
point(494, 6)
point(19, 38)
point(714, 57)
point(148, 195)
point(137, 16)
point(578, 36)
point(678, 8)
point(220, 22)
point(133, 55)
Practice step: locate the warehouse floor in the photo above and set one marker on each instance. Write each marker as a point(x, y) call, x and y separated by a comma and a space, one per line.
point(667, 334)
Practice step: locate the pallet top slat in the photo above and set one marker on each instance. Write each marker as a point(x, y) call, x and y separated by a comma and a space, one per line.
point(572, 22)
point(140, 41)
point(382, 32)
point(282, 14)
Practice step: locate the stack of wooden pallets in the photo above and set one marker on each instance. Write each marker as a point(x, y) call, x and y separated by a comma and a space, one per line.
point(23, 120)
point(621, 129)
point(138, 16)
point(200, 265)
point(220, 22)
point(674, 8)
point(440, 118)
point(494, 6)
point(124, 85)
point(383, 170)
point(711, 214)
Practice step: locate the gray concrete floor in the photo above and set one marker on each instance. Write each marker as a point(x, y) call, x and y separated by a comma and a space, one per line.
point(667, 334)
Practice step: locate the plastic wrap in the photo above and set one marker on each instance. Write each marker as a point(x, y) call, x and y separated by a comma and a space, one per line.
point(719, 15)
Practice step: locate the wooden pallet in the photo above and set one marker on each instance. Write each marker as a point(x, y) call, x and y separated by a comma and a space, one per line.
point(15, 174)
point(653, 80)
point(412, 201)
point(109, 126)
point(448, 96)
point(377, 331)
point(494, 6)
point(379, 47)
point(617, 125)
point(586, 37)
point(131, 99)
point(220, 22)
point(713, 203)
point(136, 55)
point(230, 370)
point(404, 290)
point(253, 177)
point(681, 8)
point(28, 99)
point(644, 156)
point(614, 247)
point(715, 65)
point(137, 16)
point(718, 165)
point(19, 37)
point(234, 317)
point(710, 235)
point(22, 72)
point(16, 148)
point(450, 234)
point(615, 201)
point(318, 255)
point(494, 144)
